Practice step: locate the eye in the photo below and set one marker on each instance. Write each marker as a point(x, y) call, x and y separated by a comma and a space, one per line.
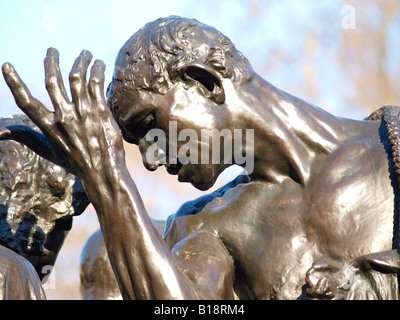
point(148, 122)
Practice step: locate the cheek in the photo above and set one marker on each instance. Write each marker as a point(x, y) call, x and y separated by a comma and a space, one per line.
point(192, 109)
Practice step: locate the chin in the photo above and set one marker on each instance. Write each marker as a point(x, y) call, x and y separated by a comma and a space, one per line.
point(203, 186)
point(202, 179)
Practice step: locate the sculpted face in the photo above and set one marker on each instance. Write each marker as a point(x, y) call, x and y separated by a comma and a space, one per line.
point(171, 76)
point(188, 104)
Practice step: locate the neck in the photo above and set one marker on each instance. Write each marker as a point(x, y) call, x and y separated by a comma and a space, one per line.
point(290, 134)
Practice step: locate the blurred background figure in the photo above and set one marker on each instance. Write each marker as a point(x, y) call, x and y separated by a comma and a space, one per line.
point(38, 200)
point(97, 280)
point(339, 55)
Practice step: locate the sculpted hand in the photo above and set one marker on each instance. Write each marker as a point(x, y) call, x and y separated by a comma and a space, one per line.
point(80, 135)
point(329, 280)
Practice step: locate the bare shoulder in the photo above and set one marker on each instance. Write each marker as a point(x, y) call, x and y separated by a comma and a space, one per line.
point(19, 279)
point(238, 205)
point(190, 209)
point(358, 177)
point(233, 231)
point(365, 154)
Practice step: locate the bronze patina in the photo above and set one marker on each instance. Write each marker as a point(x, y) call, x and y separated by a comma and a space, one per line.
point(317, 216)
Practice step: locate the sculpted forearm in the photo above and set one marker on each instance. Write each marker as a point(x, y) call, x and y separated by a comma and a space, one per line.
point(82, 136)
point(143, 265)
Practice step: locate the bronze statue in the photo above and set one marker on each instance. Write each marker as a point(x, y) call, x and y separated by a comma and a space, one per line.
point(97, 280)
point(38, 200)
point(315, 215)
point(18, 278)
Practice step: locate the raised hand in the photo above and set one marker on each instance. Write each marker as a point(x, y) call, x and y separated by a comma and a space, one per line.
point(80, 135)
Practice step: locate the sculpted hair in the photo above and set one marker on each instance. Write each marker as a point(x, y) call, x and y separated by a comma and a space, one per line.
point(154, 56)
point(36, 196)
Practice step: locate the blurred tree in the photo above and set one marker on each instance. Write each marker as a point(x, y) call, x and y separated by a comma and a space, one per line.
point(341, 67)
point(309, 51)
point(369, 55)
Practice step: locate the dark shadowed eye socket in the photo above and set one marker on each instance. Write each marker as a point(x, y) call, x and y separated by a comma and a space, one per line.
point(148, 122)
point(134, 129)
point(145, 125)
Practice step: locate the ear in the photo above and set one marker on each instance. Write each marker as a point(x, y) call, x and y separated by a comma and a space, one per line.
point(208, 80)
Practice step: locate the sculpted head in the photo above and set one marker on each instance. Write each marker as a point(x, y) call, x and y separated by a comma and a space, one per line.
point(38, 200)
point(180, 71)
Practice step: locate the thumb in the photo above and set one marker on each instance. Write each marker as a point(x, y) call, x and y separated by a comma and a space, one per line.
point(31, 138)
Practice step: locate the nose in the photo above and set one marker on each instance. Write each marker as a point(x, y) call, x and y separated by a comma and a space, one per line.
point(152, 155)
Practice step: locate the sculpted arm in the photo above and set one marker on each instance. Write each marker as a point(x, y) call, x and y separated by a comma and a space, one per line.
point(82, 136)
point(206, 262)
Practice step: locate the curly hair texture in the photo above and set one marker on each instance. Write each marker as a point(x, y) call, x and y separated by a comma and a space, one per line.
point(36, 197)
point(152, 59)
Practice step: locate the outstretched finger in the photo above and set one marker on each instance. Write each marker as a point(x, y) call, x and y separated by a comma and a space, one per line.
point(96, 82)
point(53, 80)
point(77, 78)
point(33, 108)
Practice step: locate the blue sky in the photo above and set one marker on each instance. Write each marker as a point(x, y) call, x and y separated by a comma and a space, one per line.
point(28, 28)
